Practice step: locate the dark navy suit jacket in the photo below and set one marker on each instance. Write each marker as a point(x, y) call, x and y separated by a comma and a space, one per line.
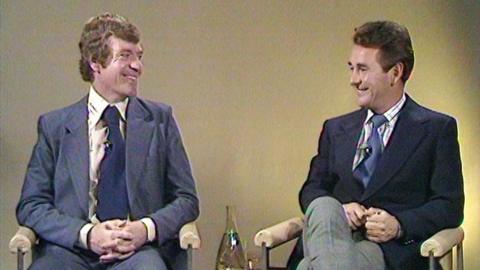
point(418, 178)
point(54, 198)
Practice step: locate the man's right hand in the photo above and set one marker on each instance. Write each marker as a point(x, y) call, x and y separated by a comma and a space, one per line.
point(356, 214)
point(106, 236)
point(127, 246)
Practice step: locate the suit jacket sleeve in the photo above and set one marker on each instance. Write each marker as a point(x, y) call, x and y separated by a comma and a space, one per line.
point(444, 208)
point(36, 206)
point(182, 202)
point(320, 181)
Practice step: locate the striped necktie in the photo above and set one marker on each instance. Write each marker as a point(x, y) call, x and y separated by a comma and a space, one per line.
point(365, 169)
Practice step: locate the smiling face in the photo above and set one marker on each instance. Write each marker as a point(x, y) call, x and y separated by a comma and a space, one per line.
point(119, 78)
point(376, 89)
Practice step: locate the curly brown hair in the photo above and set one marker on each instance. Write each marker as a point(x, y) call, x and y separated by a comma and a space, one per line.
point(93, 43)
point(392, 39)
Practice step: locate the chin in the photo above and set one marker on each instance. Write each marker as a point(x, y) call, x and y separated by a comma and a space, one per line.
point(132, 92)
point(363, 102)
point(364, 98)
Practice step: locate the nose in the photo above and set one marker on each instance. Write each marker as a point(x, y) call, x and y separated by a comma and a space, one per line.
point(355, 79)
point(137, 65)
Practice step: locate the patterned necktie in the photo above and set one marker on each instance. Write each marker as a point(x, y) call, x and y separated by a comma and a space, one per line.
point(112, 189)
point(374, 150)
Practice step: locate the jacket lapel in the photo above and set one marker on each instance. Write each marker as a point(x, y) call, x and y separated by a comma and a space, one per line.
point(138, 136)
point(348, 138)
point(347, 146)
point(75, 145)
point(401, 146)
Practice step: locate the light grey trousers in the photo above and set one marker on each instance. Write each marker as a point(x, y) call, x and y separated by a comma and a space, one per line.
point(328, 242)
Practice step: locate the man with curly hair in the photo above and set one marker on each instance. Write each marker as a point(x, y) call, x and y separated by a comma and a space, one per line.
point(109, 183)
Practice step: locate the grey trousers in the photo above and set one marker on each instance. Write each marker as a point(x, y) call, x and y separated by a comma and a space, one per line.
point(59, 258)
point(328, 242)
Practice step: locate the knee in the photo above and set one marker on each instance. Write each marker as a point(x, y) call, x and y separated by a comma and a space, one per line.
point(43, 263)
point(147, 258)
point(324, 208)
point(157, 264)
point(61, 261)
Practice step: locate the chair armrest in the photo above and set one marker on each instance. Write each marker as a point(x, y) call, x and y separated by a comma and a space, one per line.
point(23, 240)
point(279, 233)
point(442, 242)
point(189, 236)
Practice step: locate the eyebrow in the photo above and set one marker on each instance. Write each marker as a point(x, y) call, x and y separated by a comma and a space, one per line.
point(358, 65)
point(130, 51)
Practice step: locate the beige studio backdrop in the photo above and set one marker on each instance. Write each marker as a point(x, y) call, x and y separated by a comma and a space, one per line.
point(251, 83)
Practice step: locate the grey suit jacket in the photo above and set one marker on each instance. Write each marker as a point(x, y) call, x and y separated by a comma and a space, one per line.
point(54, 198)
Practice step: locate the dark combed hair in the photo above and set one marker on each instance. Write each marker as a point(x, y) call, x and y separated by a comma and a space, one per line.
point(93, 43)
point(393, 41)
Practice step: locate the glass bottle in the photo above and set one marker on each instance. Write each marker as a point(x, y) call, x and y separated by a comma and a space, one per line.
point(230, 254)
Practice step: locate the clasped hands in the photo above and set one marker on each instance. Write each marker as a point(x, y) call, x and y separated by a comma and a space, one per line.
point(380, 226)
point(117, 239)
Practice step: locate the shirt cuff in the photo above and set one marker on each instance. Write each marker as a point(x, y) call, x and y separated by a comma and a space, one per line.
point(399, 231)
point(84, 235)
point(150, 226)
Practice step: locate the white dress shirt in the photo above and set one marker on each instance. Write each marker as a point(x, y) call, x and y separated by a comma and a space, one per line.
point(97, 137)
point(384, 130)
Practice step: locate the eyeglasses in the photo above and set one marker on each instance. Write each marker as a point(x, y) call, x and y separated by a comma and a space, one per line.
point(127, 56)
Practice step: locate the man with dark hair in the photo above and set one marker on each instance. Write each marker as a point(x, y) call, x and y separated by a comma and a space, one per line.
point(387, 176)
point(109, 184)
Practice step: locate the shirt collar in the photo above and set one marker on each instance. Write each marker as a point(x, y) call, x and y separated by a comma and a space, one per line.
point(392, 112)
point(97, 104)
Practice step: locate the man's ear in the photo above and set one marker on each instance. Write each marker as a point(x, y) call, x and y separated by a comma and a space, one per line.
point(396, 73)
point(95, 67)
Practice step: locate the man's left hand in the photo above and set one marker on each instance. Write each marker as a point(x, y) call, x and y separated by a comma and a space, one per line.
point(381, 226)
point(127, 246)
